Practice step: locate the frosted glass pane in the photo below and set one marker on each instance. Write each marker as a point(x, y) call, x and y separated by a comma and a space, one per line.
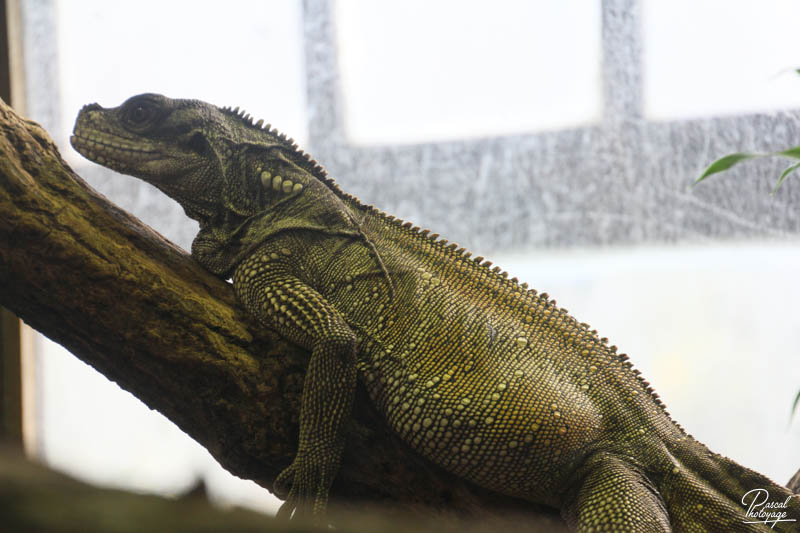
point(243, 53)
point(415, 70)
point(716, 57)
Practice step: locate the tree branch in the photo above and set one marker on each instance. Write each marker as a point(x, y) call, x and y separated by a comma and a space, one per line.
point(139, 310)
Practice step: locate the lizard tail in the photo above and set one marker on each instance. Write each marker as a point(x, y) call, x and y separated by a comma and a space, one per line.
point(719, 494)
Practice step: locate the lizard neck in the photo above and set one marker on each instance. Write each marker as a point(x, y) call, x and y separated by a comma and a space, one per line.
point(227, 238)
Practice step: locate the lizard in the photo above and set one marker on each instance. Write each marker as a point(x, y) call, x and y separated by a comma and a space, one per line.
point(475, 371)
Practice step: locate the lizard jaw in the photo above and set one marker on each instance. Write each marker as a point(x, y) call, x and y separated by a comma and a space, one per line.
point(112, 151)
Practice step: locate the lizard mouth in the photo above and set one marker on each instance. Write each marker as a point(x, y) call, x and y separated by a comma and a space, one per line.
point(111, 151)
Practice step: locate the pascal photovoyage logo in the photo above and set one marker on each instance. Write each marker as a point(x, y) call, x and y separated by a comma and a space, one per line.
point(762, 510)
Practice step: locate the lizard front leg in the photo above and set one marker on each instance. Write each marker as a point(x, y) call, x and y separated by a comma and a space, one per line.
point(268, 289)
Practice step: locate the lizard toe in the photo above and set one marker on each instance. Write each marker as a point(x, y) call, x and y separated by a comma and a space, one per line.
point(283, 483)
point(305, 488)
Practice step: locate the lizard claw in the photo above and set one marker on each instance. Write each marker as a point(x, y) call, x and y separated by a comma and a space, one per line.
point(287, 508)
point(308, 496)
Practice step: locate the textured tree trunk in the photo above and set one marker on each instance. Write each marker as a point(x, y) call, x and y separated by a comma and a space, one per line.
point(139, 310)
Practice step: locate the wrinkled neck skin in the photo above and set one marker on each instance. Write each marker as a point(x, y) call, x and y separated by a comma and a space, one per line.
point(250, 208)
point(197, 192)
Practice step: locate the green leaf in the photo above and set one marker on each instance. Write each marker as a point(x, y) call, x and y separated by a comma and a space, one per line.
point(784, 174)
point(794, 153)
point(724, 163)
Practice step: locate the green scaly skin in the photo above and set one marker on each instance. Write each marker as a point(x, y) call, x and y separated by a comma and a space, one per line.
point(490, 380)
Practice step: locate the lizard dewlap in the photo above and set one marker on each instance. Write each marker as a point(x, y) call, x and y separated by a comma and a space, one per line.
point(482, 376)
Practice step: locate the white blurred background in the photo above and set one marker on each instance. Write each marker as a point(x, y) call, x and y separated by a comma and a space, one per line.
point(558, 138)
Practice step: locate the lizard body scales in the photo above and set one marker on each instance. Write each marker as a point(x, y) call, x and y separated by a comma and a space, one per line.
point(492, 381)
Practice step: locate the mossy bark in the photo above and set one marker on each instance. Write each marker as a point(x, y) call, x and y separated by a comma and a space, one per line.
point(139, 310)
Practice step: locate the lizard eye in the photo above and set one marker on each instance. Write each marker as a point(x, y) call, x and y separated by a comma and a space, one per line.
point(140, 114)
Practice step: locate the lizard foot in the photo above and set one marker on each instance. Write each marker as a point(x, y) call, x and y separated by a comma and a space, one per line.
point(308, 496)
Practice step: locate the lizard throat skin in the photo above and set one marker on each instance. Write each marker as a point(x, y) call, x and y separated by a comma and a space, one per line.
point(493, 382)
